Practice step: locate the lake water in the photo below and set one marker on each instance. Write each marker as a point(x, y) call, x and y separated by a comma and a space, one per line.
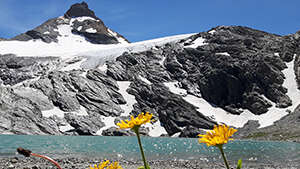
point(155, 148)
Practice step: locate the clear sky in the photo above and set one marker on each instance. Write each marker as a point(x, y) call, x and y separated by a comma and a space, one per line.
point(147, 19)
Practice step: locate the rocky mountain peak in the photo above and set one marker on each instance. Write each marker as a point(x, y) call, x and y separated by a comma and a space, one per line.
point(80, 9)
point(79, 24)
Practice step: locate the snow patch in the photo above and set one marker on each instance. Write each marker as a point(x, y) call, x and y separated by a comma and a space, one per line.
point(212, 32)
point(145, 80)
point(161, 62)
point(67, 38)
point(155, 130)
point(197, 42)
point(291, 84)
point(103, 67)
point(81, 19)
point(65, 128)
point(174, 88)
point(276, 54)
point(130, 99)
point(59, 113)
point(46, 33)
point(79, 28)
point(176, 134)
point(120, 39)
point(221, 116)
point(108, 122)
point(223, 53)
point(91, 30)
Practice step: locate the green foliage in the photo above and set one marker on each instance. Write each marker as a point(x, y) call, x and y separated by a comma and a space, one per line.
point(239, 164)
point(142, 167)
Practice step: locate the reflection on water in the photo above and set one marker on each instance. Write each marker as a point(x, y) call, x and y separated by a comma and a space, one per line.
point(155, 148)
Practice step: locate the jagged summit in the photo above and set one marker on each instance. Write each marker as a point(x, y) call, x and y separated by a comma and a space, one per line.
point(78, 25)
point(80, 9)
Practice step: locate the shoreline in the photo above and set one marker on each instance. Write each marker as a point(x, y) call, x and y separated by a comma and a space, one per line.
point(19, 162)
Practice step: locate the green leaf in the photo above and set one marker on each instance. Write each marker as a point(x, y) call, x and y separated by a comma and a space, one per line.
point(239, 165)
point(142, 167)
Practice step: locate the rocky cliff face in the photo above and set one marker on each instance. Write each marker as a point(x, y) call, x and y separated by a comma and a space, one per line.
point(230, 74)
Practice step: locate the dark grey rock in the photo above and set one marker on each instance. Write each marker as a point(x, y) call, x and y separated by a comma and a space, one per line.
point(69, 90)
point(172, 111)
point(84, 125)
point(191, 132)
point(80, 9)
point(114, 131)
point(255, 103)
point(35, 96)
point(285, 129)
point(21, 116)
point(14, 70)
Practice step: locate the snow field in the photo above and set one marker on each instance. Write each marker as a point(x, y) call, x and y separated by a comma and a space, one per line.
point(59, 113)
point(221, 116)
point(197, 42)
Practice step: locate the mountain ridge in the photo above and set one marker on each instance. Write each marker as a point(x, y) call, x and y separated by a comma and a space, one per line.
point(229, 74)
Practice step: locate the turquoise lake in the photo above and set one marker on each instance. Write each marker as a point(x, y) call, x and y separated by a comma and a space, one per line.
point(155, 148)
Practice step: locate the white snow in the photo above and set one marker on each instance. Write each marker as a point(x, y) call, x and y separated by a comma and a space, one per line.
point(130, 99)
point(223, 53)
point(47, 32)
point(174, 88)
point(67, 38)
point(221, 116)
point(108, 122)
point(91, 30)
point(79, 28)
point(82, 18)
point(71, 45)
point(291, 84)
point(65, 128)
point(59, 113)
point(55, 111)
point(212, 32)
point(103, 67)
point(176, 134)
point(161, 62)
point(276, 54)
point(197, 42)
point(120, 39)
point(155, 130)
point(145, 80)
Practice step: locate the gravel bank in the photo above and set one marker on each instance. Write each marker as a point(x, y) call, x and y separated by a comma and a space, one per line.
point(84, 162)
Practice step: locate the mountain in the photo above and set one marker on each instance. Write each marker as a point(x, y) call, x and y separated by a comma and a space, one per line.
point(78, 20)
point(74, 76)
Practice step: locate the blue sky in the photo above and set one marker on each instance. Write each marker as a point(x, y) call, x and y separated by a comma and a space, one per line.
point(141, 20)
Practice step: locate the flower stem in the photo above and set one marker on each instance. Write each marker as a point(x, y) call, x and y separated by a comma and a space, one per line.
point(47, 158)
point(223, 155)
point(136, 130)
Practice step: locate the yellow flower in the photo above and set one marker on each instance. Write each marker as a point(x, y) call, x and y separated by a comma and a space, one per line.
point(218, 136)
point(101, 165)
point(138, 121)
point(114, 165)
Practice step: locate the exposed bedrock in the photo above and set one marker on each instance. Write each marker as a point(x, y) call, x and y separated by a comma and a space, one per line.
point(172, 110)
